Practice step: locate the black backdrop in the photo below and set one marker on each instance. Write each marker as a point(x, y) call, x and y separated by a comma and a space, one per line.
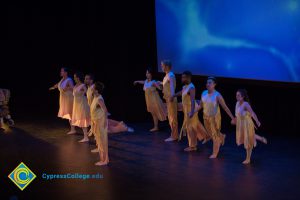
point(116, 41)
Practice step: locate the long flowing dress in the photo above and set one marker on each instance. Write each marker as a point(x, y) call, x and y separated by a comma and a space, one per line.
point(100, 126)
point(245, 128)
point(81, 111)
point(212, 115)
point(154, 102)
point(65, 99)
point(171, 106)
point(89, 94)
point(192, 126)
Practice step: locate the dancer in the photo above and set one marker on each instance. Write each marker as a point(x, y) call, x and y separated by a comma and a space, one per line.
point(89, 82)
point(65, 87)
point(81, 111)
point(100, 123)
point(191, 124)
point(153, 101)
point(245, 133)
point(210, 102)
point(169, 86)
point(4, 108)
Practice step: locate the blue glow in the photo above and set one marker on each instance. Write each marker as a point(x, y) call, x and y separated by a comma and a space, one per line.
point(253, 39)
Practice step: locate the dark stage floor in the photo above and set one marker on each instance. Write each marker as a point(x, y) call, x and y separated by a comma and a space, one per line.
point(143, 166)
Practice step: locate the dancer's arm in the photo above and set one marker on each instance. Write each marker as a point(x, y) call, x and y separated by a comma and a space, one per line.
point(157, 84)
point(253, 115)
point(199, 107)
point(54, 87)
point(138, 82)
point(225, 107)
point(175, 95)
point(192, 96)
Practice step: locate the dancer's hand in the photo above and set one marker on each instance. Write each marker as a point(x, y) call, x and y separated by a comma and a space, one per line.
point(135, 83)
point(171, 99)
point(52, 88)
point(258, 123)
point(233, 121)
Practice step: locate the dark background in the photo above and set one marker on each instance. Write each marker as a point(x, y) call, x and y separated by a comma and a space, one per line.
point(116, 41)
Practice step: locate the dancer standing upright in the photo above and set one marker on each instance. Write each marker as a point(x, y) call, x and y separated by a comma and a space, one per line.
point(89, 82)
point(100, 123)
point(191, 124)
point(81, 111)
point(169, 86)
point(65, 87)
point(245, 128)
point(210, 102)
point(153, 101)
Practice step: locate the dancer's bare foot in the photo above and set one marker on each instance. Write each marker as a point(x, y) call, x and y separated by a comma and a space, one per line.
point(95, 150)
point(264, 140)
point(188, 149)
point(100, 163)
point(154, 129)
point(170, 139)
point(71, 132)
point(83, 140)
point(246, 162)
point(213, 156)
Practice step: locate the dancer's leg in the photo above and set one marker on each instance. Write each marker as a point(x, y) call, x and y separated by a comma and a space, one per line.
point(248, 156)
point(216, 148)
point(261, 139)
point(155, 122)
point(85, 135)
point(73, 130)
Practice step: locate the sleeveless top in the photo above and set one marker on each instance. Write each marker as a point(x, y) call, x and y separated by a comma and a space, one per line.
point(96, 111)
point(166, 84)
point(186, 100)
point(62, 85)
point(241, 112)
point(148, 85)
point(210, 103)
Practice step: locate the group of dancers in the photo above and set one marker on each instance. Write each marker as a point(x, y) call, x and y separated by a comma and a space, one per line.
point(83, 105)
point(210, 102)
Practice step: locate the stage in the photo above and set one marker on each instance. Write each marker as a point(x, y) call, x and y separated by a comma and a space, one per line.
point(143, 166)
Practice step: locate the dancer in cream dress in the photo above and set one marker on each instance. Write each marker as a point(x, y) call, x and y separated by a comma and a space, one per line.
point(81, 111)
point(245, 128)
point(169, 86)
point(191, 124)
point(153, 101)
point(210, 102)
point(89, 82)
point(65, 87)
point(100, 123)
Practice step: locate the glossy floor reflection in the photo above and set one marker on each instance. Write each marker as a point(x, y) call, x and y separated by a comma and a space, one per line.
point(143, 166)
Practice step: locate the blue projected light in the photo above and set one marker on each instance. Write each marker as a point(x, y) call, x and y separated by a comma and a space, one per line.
point(252, 39)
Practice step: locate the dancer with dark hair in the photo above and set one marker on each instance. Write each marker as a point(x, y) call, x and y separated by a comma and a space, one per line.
point(191, 124)
point(169, 87)
point(210, 102)
point(100, 123)
point(65, 87)
point(81, 111)
point(153, 101)
point(245, 128)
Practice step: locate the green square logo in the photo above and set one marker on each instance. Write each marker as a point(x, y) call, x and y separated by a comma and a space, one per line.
point(22, 176)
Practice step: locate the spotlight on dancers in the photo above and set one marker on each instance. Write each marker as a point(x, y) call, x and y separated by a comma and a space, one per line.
point(245, 128)
point(154, 103)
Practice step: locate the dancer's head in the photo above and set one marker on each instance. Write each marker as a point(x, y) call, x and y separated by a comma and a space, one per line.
point(89, 79)
point(78, 77)
point(186, 77)
point(242, 95)
point(211, 83)
point(98, 89)
point(64, 72)
point(166, 65)
point(149, 73)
